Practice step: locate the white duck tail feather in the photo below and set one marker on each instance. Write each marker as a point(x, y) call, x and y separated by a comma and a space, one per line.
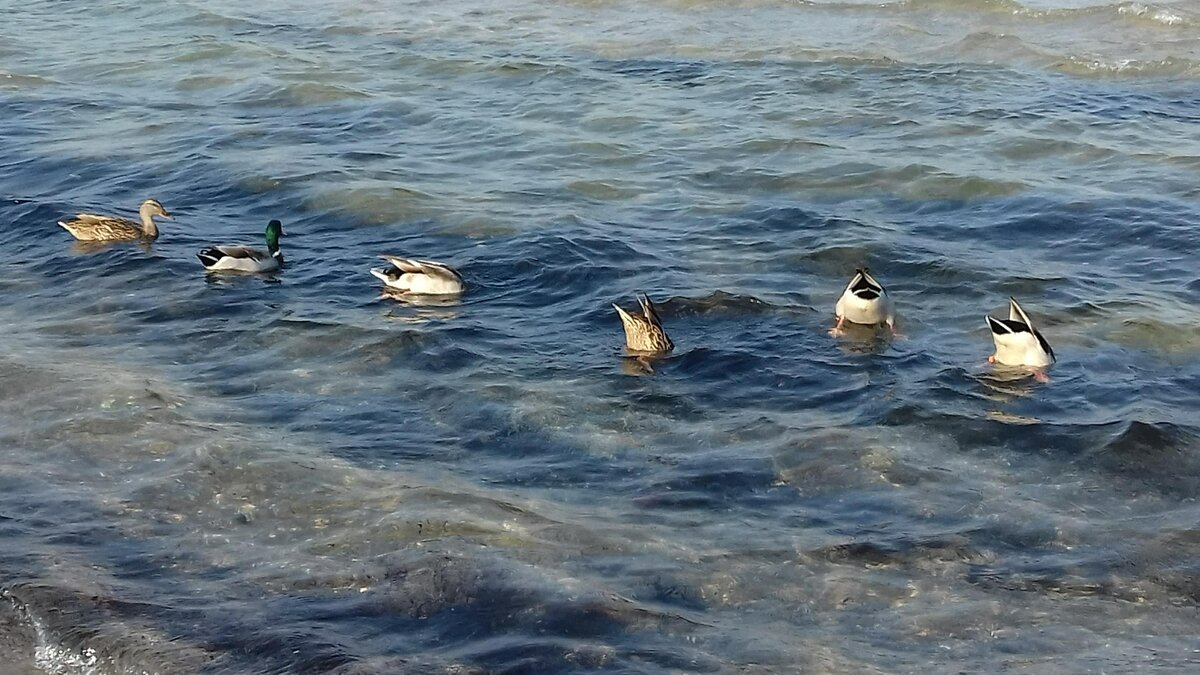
point(1015, 313)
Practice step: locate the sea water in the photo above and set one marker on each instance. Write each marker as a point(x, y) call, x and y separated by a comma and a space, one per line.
point(292, 474)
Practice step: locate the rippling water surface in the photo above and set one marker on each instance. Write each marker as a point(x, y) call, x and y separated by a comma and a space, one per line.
point(292, 474)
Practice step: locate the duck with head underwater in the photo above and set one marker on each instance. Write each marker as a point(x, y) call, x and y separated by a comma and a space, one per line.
point(644, 334)
point(1018, 343)
point(865, 301)
point(236, 258)
point(419, 277)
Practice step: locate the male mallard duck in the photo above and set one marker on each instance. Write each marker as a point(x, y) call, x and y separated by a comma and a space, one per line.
point(244, 258)
point(91, 227)
point(419, 277)
point(645, 335)
point(864, 301)
point(1018, 343)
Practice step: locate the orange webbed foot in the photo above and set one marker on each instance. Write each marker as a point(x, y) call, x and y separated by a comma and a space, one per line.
point(837, 331)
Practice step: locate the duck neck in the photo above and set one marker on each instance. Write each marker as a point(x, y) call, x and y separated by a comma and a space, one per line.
point(273, 248)
point(149, 229)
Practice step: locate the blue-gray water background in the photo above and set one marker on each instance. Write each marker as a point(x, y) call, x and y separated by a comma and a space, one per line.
point(290, 474)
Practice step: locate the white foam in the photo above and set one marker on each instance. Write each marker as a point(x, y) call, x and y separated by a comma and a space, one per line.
point(1162, 16)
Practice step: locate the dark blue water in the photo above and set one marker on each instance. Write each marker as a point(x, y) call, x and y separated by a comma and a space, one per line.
point(290, 473)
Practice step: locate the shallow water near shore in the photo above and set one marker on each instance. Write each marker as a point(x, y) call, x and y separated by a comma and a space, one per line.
point(290, 473)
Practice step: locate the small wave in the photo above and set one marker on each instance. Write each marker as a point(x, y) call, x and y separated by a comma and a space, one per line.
point(1174, 16)
point(376, 204)
point(912, 181)
point(711, 487)
point(683, 73)
point(584, 263)
point(18, 81)
point(717, 301)
point(1170, 339)
point(990, 47)
point(83, 633)
point(202, 82)
point(208, 49)
point(1170, 66)
point(836, 460)
point(212, 19)
point(944, 185)
point(1058, 582)
point(901, 551)
point(995, 6)
point(299, 95)
point(529, 66)
point(1167, 17)
point(604, 190)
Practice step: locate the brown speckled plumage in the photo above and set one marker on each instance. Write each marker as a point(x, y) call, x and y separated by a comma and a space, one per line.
point(645, 334)
point(91, 227)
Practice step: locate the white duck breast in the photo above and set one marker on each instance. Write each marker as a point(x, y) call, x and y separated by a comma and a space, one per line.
point(419, 277)
point(865, 301)
point(1018, 343)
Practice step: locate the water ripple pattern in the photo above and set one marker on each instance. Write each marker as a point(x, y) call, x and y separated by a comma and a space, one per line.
point(291, 474)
